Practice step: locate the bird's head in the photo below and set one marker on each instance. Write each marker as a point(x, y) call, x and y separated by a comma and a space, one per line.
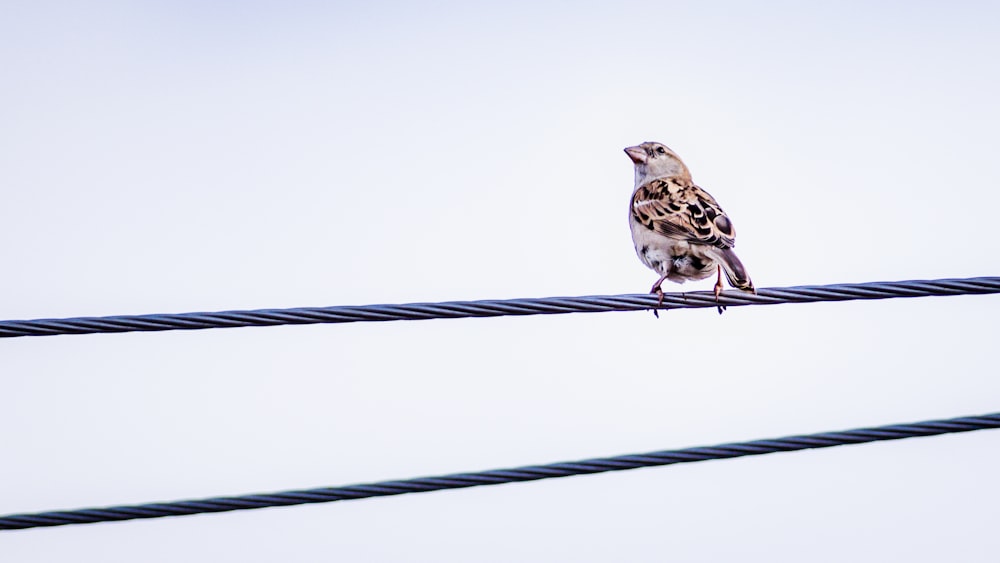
point(655, 160)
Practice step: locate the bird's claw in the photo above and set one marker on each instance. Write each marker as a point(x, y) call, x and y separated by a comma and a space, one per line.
point(658, 291)
point(718, 292)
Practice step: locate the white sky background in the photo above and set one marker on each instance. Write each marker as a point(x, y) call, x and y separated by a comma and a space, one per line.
point(171, 157)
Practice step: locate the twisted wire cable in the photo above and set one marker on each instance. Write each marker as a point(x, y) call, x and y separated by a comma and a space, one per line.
point(499, 476)
point(496, 308)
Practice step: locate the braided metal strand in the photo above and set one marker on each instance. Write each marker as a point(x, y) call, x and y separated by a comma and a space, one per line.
point(499, 476)
point(496, 308)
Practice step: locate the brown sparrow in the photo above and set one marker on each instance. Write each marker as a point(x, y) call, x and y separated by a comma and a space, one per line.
point(679, 230)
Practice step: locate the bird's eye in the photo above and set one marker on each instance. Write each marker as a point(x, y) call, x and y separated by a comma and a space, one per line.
point(661, 150)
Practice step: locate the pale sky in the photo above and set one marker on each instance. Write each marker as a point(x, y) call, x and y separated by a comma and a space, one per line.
point(195, 156)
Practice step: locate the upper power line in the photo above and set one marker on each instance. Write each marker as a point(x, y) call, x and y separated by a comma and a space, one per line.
point(496, 307)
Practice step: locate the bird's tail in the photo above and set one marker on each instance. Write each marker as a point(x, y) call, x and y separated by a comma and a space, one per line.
point(735, 272)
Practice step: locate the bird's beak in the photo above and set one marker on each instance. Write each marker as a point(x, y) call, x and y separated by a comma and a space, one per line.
point(637, 154)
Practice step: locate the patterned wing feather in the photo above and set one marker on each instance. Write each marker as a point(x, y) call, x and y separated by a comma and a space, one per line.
point(681, 210)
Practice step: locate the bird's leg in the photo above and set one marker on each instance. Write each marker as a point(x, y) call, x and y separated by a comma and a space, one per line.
point(718, 290)
point(659, 292)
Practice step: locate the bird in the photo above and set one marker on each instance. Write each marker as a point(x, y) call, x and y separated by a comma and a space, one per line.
point(679, 230)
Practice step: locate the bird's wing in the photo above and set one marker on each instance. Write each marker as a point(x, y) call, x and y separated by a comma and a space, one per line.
point(679, 209)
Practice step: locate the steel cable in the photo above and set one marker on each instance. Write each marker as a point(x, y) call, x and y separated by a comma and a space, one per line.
point(496, 308)
point(499, 476)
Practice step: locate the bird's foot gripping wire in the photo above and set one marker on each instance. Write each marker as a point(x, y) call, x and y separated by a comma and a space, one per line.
point(718, 290)
point(658, 291)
